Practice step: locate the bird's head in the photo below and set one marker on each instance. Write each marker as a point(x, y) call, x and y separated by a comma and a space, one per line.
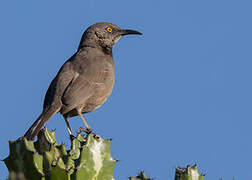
point(104, 35)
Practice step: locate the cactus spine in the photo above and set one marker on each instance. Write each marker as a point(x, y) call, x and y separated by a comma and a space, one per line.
point(141, 176)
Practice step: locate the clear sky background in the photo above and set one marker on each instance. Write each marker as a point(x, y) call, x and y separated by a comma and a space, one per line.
point(183, 91)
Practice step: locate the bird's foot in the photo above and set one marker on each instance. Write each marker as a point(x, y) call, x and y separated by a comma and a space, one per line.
point(72, 137)
point(87, 131)
point(20, 138)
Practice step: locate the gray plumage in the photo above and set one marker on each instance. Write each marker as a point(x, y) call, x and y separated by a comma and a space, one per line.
point(85, 81)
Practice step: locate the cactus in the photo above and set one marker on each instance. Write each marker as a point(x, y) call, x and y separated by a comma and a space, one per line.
point(188, 173)
point(141, 176)
point(89, 158)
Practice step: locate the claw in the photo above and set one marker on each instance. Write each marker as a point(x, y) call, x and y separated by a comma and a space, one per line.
point(87, 131)
point(21, 138)
point(72, 137)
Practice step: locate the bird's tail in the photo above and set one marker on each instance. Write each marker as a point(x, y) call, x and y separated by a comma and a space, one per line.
point(38, 124)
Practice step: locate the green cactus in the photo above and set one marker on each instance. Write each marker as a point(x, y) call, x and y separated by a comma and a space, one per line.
point(141, 176)
point(188, 173)
point(89, 158)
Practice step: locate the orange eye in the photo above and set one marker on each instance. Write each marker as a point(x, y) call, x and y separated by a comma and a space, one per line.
point(109, 29)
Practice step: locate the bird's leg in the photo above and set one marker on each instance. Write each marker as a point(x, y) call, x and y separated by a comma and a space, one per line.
point(68, 128)
point(89, 130)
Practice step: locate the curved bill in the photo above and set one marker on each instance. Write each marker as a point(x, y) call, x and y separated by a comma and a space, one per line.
point(128, 31)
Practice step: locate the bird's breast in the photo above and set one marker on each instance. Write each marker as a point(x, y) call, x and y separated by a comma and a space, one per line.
point(102, 83)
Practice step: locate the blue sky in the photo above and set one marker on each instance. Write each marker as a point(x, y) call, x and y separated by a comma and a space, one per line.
point(183, 91)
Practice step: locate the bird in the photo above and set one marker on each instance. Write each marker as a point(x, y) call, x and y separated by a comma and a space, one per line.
point(85, 80)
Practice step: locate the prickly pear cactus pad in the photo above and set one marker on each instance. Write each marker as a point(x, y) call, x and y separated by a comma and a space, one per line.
point(188, 173)
point(89, 158)
point(141, 176)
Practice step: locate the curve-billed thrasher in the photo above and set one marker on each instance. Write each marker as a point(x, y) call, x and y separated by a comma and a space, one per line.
point(86, 80)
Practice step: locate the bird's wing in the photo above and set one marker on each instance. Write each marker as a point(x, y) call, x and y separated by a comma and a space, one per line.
point(78, 91)
point(58, 85)
point(87, 80)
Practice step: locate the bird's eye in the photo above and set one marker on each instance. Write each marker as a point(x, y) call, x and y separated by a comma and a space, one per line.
point(109, 29)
